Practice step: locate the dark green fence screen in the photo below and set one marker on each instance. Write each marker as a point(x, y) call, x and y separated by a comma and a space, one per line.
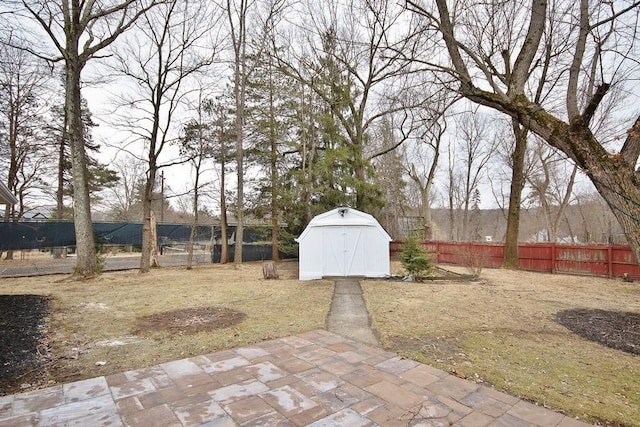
point(48, 234)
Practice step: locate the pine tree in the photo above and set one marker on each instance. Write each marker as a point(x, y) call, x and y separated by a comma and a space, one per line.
point(476, 217)
point(100, 176)
point(414, 257)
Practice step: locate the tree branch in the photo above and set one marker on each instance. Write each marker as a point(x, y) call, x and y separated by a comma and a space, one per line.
point(595, 100)
point(523, 62)
point(122, 26)
point(631, 148)
point(47, 28)
point(446, 28)
point(578, 56)
point(615, 15)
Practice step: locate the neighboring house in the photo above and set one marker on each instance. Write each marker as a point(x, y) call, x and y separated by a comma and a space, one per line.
point(37, 214)
point(6, 197)
point(542, 236)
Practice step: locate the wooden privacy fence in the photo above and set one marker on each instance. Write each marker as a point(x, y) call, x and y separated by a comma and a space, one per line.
point(594, 260)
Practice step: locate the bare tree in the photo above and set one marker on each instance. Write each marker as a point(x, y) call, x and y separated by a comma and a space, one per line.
point(594, 222)
point(23, 102)
point(602, 38)
point(79, 30)
point(422, 162)
point(126, 196)
point(552, 46)
point(197, 145)
point(455, 199)
point(165, 53)
point(224, 137)
point(518, 179)
point(552, 185)
point(477, 148)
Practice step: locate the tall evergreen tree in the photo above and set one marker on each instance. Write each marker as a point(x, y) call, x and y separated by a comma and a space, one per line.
point(270, 125)
point(354, 64)
point(99, 177)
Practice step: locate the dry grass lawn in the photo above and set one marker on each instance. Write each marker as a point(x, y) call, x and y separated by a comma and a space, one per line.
point(501, 330)
point(118, 317)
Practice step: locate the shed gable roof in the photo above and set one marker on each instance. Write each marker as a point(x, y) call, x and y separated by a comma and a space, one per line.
point(344, 217)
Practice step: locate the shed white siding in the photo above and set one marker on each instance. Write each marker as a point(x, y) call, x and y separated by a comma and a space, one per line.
point(343, 242)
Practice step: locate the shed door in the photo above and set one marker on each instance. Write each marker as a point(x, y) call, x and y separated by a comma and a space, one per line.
point(344, 251)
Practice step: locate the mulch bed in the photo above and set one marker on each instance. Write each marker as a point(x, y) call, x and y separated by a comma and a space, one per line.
point(619, 330)
point(23, 341)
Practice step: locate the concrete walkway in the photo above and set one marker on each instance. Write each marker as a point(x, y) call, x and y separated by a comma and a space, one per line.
point(316, 378)
point(348, 314)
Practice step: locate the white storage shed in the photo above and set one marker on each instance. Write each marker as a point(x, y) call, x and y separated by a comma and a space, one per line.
point(343, 242)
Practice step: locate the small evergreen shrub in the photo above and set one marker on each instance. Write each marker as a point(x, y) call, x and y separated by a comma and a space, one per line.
point(415, 259)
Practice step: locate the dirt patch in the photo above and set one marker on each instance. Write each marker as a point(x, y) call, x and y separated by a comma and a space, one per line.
point(438, 348)
point(24, 341)
point(190, 320)
point(615, 329)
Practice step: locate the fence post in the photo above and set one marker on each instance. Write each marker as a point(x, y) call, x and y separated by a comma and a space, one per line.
point(553, 258)
point(610, 261)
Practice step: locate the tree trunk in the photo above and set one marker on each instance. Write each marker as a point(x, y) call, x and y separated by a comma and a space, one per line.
point(57, 252)
point(426, 212)
point(363, 200)
point(224, 236)
point(451, 207)
point(86, 265)
point(269, 270)
point(307, 158)
point(224, 239)
point(145, 257)
point(10, 209)
point(237, 254)
point(8, 213)
point(239, 42)
point(192, 238)
point(153, 237)
point(239, 84)
point(194, 224)
point(518, 179)
point(275, 255)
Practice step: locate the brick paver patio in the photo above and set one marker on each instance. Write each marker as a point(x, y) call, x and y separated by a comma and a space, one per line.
point(316, 378)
